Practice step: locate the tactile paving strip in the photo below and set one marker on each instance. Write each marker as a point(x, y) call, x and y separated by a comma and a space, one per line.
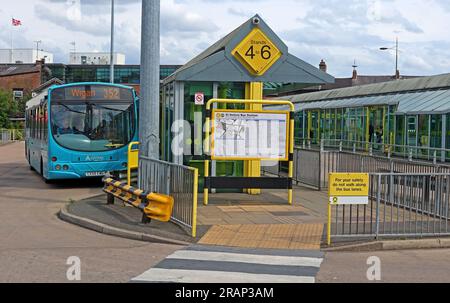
point(278, 236)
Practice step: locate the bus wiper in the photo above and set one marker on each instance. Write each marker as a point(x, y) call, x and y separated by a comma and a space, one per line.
point(111, 145)
point(111, 109)
point(71, 110)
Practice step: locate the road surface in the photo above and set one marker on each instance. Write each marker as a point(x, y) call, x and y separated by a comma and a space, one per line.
point(35, 244)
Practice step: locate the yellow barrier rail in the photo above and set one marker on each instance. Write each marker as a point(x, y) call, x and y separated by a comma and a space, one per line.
point(153, 206)
point(181, 182)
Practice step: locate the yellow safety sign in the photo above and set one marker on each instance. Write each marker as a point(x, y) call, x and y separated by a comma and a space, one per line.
point(257, 52)
point(348, 188)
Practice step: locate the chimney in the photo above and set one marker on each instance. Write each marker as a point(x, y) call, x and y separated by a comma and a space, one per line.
point(40, 62)
point(323, 66)
point(355, 74)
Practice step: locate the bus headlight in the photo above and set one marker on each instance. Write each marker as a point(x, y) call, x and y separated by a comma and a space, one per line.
point(58, 167)
point(66, 167)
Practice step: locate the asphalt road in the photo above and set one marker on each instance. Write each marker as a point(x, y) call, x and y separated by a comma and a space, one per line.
point(406, 266)
point(35, 244)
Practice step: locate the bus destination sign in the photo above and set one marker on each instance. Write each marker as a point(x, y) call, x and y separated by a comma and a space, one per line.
point(92, 93)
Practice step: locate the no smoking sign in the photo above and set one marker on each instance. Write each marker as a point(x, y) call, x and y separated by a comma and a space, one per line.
point(199, 98)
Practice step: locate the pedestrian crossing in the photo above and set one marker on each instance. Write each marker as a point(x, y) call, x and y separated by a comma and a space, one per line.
point(215, 264)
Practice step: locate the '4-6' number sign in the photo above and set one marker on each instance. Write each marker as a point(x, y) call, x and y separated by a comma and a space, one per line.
point(264, 52)
point(256, 52)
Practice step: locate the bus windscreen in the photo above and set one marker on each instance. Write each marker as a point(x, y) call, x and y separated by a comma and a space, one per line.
point(92, 118)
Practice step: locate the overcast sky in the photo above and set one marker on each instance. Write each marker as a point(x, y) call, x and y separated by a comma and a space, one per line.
point(338, 31)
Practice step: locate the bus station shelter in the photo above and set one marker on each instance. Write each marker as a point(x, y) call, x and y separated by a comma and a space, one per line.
point(228, 69)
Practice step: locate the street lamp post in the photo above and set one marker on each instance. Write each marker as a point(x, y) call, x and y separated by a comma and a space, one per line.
point(111, 56)
point(397, 74)
point(150, 81)
point(37, 49)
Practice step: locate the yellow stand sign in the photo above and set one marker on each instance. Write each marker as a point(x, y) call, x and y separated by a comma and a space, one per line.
point(346, 189)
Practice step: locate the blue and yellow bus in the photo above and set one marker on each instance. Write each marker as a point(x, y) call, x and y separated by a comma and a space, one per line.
point(80, 130)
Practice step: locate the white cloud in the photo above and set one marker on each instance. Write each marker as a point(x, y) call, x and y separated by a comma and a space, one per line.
point(336, 30)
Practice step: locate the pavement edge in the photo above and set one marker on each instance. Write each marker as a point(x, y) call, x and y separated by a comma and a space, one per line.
point(64, 215)
point(392, 245)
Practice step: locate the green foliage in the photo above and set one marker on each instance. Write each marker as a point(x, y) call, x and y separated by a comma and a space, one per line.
point(10, 108)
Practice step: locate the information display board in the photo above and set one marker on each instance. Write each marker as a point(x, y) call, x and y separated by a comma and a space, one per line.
point(250, 135)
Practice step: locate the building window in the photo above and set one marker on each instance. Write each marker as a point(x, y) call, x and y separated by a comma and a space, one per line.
point(83, 59)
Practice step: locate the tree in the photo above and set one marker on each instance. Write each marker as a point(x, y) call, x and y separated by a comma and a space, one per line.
point(5, 108)
point(10, 108)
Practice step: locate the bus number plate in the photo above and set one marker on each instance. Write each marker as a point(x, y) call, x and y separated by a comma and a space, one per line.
point(96, 174)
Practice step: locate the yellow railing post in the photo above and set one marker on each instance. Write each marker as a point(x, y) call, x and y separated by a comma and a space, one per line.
point(133, 160)
point(329, 225)
point(206, 149)
point(291, 152)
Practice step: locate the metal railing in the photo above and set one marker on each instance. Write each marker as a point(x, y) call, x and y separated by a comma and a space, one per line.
point(11, 135)
point(400, 205)
point(433, 154)
point(312, 166)
point(180, 182)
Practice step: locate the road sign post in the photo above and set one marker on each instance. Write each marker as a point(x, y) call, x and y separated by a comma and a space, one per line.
point(346, 189)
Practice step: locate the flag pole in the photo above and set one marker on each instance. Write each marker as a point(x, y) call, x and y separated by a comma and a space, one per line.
point(12, 40)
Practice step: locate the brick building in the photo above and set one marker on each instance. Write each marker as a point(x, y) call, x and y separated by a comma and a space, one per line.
point(21, 79)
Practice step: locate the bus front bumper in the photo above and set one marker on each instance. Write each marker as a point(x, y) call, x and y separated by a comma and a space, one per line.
point(84, 170)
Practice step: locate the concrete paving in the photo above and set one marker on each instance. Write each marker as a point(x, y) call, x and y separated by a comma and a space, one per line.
point(230, 219)
point(35, 244)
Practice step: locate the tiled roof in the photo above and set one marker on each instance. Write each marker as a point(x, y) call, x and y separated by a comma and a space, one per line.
point(17, 69)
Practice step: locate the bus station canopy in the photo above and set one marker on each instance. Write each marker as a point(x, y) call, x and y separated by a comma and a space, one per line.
point(426, 95)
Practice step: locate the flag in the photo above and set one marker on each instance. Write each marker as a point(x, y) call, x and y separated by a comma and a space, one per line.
point(16, 22)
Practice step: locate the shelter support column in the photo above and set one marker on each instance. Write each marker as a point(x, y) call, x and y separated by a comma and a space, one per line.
point(367, 133)
point(253, 91)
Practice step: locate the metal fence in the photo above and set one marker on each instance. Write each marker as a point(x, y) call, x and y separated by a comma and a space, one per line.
point(10, 135)
point(400, 205)
point(434, 154)
point(180, 182)
point(313, 166)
